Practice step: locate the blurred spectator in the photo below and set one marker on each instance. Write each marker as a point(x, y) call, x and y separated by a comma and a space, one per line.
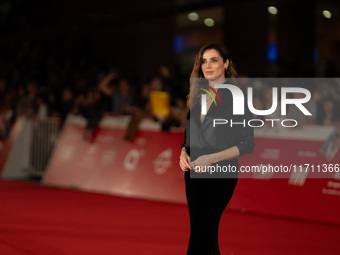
point(66, 66)
point(140, 110)
point(91, 107)
point(296, 114)
point(26, 105)
point(178, 115)
point(52, 104)
point(328, 100)
point(63, 106)
point(171, 84)
point(122, 98)
point(40, 108)
point(142, 100)
point(6, 115)
point(326, 112)
point(155, 84)
point(106, 87)
point(3, 89)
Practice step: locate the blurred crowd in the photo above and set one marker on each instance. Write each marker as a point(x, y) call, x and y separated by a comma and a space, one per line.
point(55, 78)
point(323, 105)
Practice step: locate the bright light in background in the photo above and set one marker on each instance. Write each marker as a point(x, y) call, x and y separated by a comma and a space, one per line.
point(209, 22)
point(327, 14)
point(193, 16)
point(272, 10)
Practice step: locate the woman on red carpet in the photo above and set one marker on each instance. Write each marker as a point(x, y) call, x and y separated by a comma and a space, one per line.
point(207, 146)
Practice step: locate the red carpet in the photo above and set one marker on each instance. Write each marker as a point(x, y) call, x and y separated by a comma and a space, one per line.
point(46, 221)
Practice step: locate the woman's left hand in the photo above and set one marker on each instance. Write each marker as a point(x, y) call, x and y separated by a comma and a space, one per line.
point(201, 162)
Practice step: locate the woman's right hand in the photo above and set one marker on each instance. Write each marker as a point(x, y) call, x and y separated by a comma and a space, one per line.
point(184, 160)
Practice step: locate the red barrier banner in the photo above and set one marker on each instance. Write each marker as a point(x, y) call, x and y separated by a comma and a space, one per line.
point(148, 168)
point(299, 194)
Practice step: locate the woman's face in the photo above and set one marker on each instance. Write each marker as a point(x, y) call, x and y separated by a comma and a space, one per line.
point(212, 65)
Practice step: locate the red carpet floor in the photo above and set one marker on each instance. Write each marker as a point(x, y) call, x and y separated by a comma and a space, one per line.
point(42, 220)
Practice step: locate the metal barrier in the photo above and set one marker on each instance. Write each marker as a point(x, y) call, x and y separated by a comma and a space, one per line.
point(43, 135)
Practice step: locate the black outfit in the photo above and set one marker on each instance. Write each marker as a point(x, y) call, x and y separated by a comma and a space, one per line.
point(208, 197)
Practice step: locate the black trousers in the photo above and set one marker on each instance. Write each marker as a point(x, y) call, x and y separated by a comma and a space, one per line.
point(207, 199)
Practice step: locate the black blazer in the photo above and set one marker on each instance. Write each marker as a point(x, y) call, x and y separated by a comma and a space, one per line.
point(201, 139)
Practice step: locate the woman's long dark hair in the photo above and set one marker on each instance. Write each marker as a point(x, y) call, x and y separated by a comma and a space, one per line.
point(197, 72)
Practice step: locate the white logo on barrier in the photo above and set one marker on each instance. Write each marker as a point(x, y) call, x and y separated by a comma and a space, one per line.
point(263, 175)
point(132, 158)
point(105, 139)
point(67, 153)
point(163, 161)
point(141, 141)
point(108, 158)
point(309, 154)
point(298, 178)
point(92, 149)
point(270, 154)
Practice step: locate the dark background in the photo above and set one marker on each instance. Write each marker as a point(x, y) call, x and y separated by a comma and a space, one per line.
point(138, 36)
